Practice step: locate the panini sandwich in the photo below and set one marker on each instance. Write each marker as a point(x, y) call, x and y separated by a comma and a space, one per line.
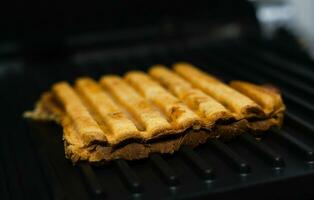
point(141, 113)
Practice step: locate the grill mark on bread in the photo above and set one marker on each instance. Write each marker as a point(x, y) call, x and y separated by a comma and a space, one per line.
point(205, 106)
point(268, 99)
point(149, 101)
point(149, 117)
point(108, 115)
point(83, 122)
point(95, 115)
point(240, 104)
point(123, 109)
point(178, 114)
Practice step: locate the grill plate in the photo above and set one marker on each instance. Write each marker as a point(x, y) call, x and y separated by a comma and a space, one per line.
point(280, 165)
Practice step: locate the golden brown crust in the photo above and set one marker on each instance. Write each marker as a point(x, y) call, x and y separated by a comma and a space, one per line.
point(268, 99)
point(139, 114)
point(239, 104)
point(149, 117)
point(84, 124)
point(206, 106)
point(179, 115)
point(106, 112)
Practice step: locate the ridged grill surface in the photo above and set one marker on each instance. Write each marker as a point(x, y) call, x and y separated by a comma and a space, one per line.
point(32, 158)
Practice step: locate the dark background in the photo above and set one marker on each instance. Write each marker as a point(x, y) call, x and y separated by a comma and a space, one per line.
point(45, 42)
point(53, 29)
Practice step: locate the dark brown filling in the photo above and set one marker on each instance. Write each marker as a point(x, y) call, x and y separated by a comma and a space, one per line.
point(132, 150)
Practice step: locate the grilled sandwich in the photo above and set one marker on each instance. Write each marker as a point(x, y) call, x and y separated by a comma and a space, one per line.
point(141, 113)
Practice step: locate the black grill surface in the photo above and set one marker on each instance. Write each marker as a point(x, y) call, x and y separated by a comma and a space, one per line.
point(33, 166)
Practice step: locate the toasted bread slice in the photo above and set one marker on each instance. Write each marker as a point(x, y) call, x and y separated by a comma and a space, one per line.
point(132, 116)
